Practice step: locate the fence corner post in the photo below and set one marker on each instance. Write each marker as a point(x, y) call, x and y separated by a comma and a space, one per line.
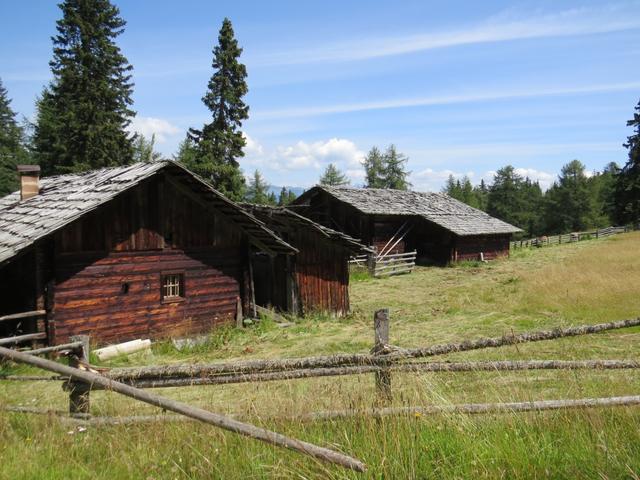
point(381, 337)
point(79, 402)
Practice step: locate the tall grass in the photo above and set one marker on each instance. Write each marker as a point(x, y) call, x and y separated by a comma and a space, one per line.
point(578, 283)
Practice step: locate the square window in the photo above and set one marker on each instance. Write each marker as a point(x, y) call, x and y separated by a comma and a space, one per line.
point(172, 287)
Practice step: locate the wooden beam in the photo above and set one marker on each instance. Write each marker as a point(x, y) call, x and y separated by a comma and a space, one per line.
point(23, 338)
point(205, 416)
point(18, 316)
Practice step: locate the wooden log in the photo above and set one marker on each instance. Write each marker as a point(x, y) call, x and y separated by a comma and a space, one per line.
point(256, 366)
point(19, 316)
point(478, 408)
point(33, 378)
point(416, 367)
point(466, 409)
point(189, 411)
point(22, 338)
point(56, 348)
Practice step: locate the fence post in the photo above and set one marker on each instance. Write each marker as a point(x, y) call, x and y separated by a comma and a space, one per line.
point(79, 392)
point(371, 263)
point(381, 338)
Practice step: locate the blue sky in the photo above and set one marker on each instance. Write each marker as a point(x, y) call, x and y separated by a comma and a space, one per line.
point(459, 87)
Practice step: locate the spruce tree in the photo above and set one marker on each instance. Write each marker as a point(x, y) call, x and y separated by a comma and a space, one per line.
point(83, 114)
point(505, 200)
point(395, 175)
point(333, 177)
point(627, 188)
point(569, 204)
point(12, 150)
point(220, 143)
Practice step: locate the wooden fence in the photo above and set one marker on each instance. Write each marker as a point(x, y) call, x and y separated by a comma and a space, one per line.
point(80, 378)
point(385, 265)
point(568, 237)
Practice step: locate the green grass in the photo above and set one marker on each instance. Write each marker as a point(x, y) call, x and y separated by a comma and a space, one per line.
point(586, 282)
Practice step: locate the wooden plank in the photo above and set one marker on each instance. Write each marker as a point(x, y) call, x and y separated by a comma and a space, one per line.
point(211, 418)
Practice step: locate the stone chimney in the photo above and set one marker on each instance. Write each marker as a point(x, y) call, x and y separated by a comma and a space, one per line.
point(29, 180)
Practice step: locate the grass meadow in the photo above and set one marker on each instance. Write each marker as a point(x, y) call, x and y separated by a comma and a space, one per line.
point(582, 283)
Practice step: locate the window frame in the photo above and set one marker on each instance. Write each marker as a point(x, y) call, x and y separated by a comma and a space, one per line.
point(180, 297)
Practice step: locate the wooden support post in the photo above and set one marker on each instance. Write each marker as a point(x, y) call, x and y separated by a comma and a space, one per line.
point(381, 333)
point(252, 287)
point(79, 402)
point(371, 263)
point(239, 315)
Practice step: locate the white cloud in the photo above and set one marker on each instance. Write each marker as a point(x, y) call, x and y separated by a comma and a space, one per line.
point(148, 126)
point(506, 26)
point(301, 157)
point(342, 152)
point(252, 148)
point(529, 92)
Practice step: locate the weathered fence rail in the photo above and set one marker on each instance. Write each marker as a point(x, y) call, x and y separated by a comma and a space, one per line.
point(545, 240)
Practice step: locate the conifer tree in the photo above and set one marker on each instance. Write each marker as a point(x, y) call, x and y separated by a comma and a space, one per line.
point(374, 169)
point(83, 114)
point(333, 177)
point(144, 150)
point(12, 148)
point(219, 143)
point(286, 197)
point(569, 204)
point(627, 188)
point(282, 198)
point(395, 175)
point(258, 191)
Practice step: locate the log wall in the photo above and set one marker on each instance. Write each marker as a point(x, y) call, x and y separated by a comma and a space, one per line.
point(491, 246)
point(109, 266)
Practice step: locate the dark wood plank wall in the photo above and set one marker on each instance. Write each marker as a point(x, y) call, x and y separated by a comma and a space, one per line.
point(133, 240)
point(492, 246)
point(384, 228)
point(322, 274)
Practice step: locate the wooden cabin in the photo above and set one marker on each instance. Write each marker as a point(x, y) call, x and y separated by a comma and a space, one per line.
point(319, 270)
point(440, 228)
point(146, 250)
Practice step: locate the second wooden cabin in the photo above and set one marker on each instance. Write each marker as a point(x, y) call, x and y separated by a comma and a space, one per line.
point(440, 228)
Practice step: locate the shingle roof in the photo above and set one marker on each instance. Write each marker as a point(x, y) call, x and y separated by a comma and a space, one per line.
point(438, 208)
point(63, 199)
point(273, 216)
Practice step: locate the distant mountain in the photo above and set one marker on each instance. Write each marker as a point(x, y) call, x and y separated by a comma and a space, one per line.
point(276, 190)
